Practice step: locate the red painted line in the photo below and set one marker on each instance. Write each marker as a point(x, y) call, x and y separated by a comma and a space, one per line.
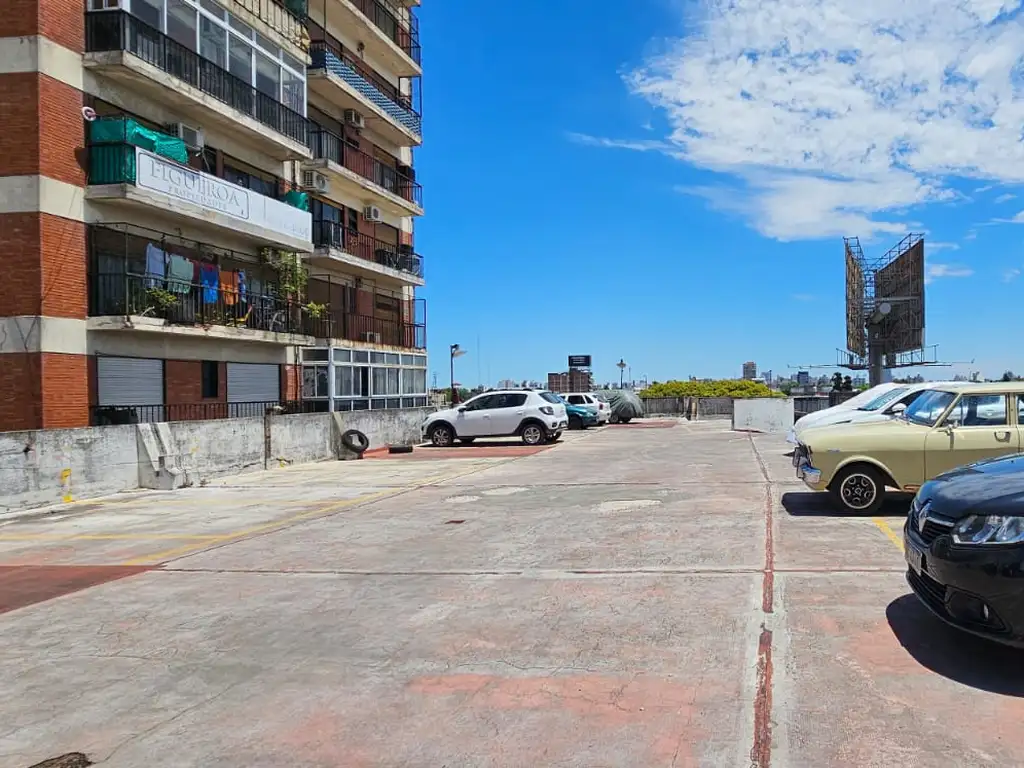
point(761, 751)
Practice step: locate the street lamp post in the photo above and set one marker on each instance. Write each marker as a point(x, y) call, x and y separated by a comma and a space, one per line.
point(622, 369)
point(455, 351)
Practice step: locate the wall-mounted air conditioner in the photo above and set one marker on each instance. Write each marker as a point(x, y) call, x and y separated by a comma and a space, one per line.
point(314, 181)
point(372, 213)
point(354, 120)
point(193, 137)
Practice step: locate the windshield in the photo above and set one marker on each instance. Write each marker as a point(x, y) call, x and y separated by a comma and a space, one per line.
point(927, 409)
point(883, 400)
point(867, 395)
point(551, 397)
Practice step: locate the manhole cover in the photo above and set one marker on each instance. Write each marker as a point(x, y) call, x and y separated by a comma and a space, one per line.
point(70, 760)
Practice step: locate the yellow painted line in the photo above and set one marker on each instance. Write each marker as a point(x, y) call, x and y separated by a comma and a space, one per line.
point(884, 528)
point(101, 537)
point(311, 514)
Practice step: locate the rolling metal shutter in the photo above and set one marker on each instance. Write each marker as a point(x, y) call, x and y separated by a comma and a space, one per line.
point(129, 381)
point(252, 383)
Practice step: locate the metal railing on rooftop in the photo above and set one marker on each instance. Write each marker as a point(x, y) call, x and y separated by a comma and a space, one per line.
point(406, 35)
point(120, 31)
point(105, 415)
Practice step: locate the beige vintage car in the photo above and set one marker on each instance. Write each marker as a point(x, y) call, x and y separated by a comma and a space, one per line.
point(948, 427)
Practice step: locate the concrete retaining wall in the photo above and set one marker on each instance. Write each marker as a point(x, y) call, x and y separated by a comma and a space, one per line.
point(47, 467)
point(772, 415)
point(61, 465)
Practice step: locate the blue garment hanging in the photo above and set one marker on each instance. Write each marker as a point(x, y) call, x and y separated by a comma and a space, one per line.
point(209, 277)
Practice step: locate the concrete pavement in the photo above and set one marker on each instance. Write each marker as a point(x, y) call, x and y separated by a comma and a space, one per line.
point(660, 595)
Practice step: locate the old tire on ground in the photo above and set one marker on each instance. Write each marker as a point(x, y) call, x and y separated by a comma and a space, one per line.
point(442, 435)
point(858, 489)
point(466, 440)
point(355, 441)
point(533, 433)
point(575, 422)
point(399, 449)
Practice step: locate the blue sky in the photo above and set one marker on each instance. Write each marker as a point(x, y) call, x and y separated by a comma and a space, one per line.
point(670, 185)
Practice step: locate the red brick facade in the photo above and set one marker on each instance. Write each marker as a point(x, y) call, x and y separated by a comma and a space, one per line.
point(291, 382)
point(183, 382)
point(43, 391)
point(59, 20)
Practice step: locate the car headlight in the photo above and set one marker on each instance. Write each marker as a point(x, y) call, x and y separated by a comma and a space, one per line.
point(547, 409)
point(990, 529)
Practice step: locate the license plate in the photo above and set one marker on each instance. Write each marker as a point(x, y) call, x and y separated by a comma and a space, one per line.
point(915, 559)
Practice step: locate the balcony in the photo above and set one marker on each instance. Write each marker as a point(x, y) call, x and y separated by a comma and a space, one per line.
point(129, 51)
point(143, 280)
point(127, 175)
point(359, 173)
point(390, 36)
point(379, 331)
point(344, 80)
point(336, 244)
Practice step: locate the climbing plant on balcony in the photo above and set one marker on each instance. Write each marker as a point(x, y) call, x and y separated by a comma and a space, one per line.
point(292, 275)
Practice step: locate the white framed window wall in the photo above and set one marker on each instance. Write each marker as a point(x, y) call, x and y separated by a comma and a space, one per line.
point(361, 379)
point(219, 36)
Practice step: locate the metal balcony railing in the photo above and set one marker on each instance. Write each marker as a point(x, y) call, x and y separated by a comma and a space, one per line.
point(331, 234)
point(119, 31)
point(187, 303)
point(388, 98)
point(329, 146)
point(406, 35)
point(369, 330)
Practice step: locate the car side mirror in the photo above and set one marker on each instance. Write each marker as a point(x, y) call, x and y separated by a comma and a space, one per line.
point(952, 424)
point(899, 408)
point(462, 409)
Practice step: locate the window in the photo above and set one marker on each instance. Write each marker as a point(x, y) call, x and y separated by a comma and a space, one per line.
point(576, 399)
point(551, 398)
point(268, 76)
point(511, 400)
point(182, 23)
point(211, 378)
point(483, 402)
point(315, 355)
point(344, 381)
point(314, 382)
point(927, 409)
point(239, 58)
point(979, 411)
point(353, 219)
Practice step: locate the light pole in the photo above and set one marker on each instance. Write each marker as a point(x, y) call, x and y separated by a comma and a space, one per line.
point(455, 351)
point(622, 365)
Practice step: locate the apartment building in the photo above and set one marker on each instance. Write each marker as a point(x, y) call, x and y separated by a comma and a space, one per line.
point(206, 209)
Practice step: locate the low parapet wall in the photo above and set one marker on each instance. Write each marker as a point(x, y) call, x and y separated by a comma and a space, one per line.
point(771, 415)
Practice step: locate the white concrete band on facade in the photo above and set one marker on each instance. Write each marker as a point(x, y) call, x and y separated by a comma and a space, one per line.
point(35, 53)
point(41, 194)
point(35, 333)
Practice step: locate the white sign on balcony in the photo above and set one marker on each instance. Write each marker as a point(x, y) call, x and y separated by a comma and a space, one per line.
point(174, 180)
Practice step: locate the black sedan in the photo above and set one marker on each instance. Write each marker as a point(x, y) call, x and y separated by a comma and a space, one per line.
point(964, 544)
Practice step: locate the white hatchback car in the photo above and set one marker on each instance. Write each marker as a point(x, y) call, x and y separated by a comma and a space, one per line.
point(535, 416)
point(590, 400)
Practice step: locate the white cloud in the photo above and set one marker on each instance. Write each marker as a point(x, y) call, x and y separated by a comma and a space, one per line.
point(935, 271)
point(1005, 198)
point(840, 115)
point(940, 246)
point(1010, 275)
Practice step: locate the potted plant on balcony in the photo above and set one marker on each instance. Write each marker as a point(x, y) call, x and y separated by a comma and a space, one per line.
point(292, 278)
point(161, 300)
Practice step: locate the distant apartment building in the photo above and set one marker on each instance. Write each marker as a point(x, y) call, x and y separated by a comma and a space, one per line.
point(208, 209)
point(750, 370)
point(575, 380)
point(803, 378)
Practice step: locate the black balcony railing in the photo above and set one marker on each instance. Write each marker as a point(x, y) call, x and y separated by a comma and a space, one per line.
point(406, 35)
point(119, 31)
point(331, 234)
point(186, 303)
point(330, 146)
point(401, 107)
point(104, 415)
point(369, 330)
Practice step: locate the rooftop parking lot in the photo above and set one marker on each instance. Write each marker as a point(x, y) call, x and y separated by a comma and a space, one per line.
point(658, 594)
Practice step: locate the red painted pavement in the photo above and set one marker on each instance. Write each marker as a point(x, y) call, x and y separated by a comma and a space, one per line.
point(22, 585)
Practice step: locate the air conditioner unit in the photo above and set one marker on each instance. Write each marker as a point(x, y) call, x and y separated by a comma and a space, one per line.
point(372, 213)
point(314, 181)
point(370, 336)
point(354, 119)
point(193, 137)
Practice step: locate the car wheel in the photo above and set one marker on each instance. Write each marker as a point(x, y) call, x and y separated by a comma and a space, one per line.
point(575, 422)
point(534, 434)
point(626, 420)
point(613, 419)
point(859, 489)
point(442, 435)
point(466, 440)
point(554, 437)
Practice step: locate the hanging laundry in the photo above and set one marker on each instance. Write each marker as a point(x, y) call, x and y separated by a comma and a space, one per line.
point(229, 287)
point(179, 274)
point(243, 291)
point(156, 266)
point(209, 276)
